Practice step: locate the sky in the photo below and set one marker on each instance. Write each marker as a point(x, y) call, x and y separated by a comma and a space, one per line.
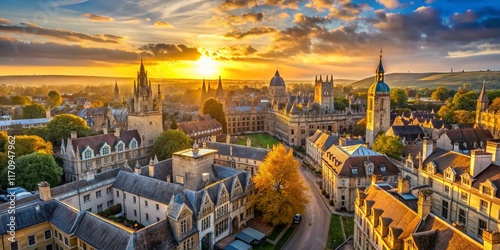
point(247, 39)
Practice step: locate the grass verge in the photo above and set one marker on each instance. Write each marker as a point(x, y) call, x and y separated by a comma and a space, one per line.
point(335, 234)
point(348, 225)
point(286, 236)
point(261, 140)
point(276, 232)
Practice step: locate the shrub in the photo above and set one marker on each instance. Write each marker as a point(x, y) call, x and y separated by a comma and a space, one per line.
point(115, 209)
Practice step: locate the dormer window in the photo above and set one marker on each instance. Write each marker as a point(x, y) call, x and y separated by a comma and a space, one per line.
point(88, 153)
point(431, 167)
point(449, 174)
point(486, 190)
point(466, 180)
point(383, 168)
point(120, 146)
point(105, 149)
point(133, 144)
point(354, 170)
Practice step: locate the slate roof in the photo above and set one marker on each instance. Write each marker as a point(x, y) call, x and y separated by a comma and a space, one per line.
point(409, 132)
point(120, 115)
point(162, 169)
point(491, 173)
point(102, 234)
point(238, 150)
point(74, 186)
point(444, 159)
point(97, 141)
point(92, 112)
point(433, 233)
point(147, 187)
point(468, 136)
point(342, 159)
point(28, 216)
point(157, 236)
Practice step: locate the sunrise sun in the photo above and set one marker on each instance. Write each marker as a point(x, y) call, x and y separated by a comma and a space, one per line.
point(206, 66)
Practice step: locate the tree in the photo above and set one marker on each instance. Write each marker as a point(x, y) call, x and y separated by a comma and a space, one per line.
point(27, 144)
point(169, 142)
point(60, 127)
point(34, 168)
point(399, 98)
point(20, 100)
point(360, 128)
point(3, 140)
point(465, 100)
point(35, 110)
point(440, 94)
point(464, 116)
point(446, 113)
point(495, 105)
point(340, 103)
point(97, 104)
point(281, 192)
point(388, 145)
point(215, 109)
point(173, 125)
point(55, 98)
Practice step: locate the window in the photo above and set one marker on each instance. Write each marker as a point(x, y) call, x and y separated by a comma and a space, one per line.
point(145, 203)
point(221, 227)
point(179, 179)
point(66, 241)
point(463, 196)
point(481, 227)
point(205, 223)
point(117, 193)
point(135, 199)
point(157, 207)
point(99, 208)
point(444, 210)
point(119, 147)
point(86, 198)
point(462, 217)
point(135, 212)
point(108, 190)
point(31, 240)
point(183, 227)
point(88, 164)
point(383, 168)
point(49, 247)
point(14, 245)
point(110, 203)
point(147, 217)
point(98, 194)
point(447, 189)
point(157, 219)
point(105, 150)
point(87, 154)
point(48, 234)
point(486, 190)
point(133, 144)
point(89, 210)
point(483, 206)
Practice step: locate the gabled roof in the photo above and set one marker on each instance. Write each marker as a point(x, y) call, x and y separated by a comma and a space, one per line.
point(315, 136)
point(162, 169)
point(97, 141)
point(157, 236)
point(147, 187)
point(74, 186)
point(196, 126)
point(238, 150)
point(102, 234)
point(444, 159)
point(359, 150)
point(409, 132)
point(468, 135)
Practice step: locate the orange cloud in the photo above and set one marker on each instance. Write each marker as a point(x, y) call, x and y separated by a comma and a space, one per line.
point(163, 24)
point(98, 18)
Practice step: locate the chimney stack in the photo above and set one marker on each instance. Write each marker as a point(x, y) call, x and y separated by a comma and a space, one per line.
point(74, 135)
point(228, 139)
point(403, 185)
point(491, 240)
point(47, 114)
point(137, 168)
point(195, 149)
point(151, 168)
point(493, 148)
point(249, 142)
point(117, 131)
point(427, 148)
point(424, 203)
point(44, 191)
point(479, 161)
point(456, 147)
point(104, 130)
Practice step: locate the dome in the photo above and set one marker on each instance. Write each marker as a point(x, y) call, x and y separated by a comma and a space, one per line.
point(277, 80)
point(379, 87)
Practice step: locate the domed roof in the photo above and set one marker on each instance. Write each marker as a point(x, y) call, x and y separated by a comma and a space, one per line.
point(277, 80)
point(379, 87)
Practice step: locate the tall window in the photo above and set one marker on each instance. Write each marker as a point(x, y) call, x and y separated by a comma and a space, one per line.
point(183, 227)
point(462, 217)
point(483, 206)
point(119, 147)
point(14, 245)
point(87, 154)
point(444, 210)
point(481, 227)
point(31, 240)
point(133, 144)
point(463, 196)
point(105, 150)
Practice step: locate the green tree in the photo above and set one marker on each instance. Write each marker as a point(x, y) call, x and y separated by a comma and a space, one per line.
point(440, 94)
point(446, 113)
point(60, 127)
point(55, 98)
point(169, 142)
point(340, 103)
point(399, 98)
point(215, 109)
point(360, 128)
point(34, 168)
point(173, 124)
point(464, 116)
point(281, 192)
point(3, 140)
point(20, 100)
point(495, 105)
point(465, 100)
point(35, 110)
point(388, 145)
point(26, 144)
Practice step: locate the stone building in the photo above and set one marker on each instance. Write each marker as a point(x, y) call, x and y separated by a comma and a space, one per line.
point(202, 129)
point(98, 118)
point(486, 118)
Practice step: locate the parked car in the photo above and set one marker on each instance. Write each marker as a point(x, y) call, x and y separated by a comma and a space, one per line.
point(297, 219)
point(13, 190)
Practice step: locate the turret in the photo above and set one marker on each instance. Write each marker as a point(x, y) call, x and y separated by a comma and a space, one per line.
point(481, 105)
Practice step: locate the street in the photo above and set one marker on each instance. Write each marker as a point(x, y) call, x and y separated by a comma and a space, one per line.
point(313, 230)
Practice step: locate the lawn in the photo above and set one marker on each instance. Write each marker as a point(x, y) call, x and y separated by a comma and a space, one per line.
point(335, 234)
point(276, 231)
point(348, 225)
point(286, 236)
point(261, 140)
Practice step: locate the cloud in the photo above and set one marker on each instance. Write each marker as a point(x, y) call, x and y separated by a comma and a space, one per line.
point(308, 21)
point(320, 4)
point(292, 4)
point(283, 15)
point(254, 31)
point(98, 18)
point(14, 48)
point(163, 24)
point(235, 20)
point(253, 16)
point(5, 21)
point(429, 1)
point(170, 52)
point(229, 52)
point(390, 4)
point(31, 29)
point(346, 11)
point(236, 4)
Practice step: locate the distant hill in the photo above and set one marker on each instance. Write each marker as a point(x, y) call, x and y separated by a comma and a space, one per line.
point(434, 80)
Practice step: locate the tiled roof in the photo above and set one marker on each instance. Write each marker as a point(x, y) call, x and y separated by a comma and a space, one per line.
point(102, 234)
point(491, 173)
point(97, 141)
point(468, 135)
point(444, 159)
point(238, 150)
point(315, 136)
point(197, 126)
point(409, 132)
point(144, 186)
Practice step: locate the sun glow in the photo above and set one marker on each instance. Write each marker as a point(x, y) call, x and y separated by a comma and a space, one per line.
point(207, 66)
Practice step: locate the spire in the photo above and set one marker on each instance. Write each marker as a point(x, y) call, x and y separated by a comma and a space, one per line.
point(277, 74)
point(320, 78)
point(203, 88)
point(482, 96)
point(135, 88)
point(142, 70)
point(219, 94)
point(331, 78)
point(326, 78)
point(379, 72)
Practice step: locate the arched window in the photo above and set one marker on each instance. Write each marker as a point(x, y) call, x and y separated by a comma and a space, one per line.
point(105, 149)
point(133, 144)
point(87, 154)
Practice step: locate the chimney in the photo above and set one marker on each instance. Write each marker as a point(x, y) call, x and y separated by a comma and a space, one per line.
point(151, 168)
point(137, 168)
point(479, 161)
point(104, 130)
point(342, 141)
point(424, 203)
point(493, 148)
point(403, 185)
point(228, 139)
point(44, 191)
point(368, 207)
point(459, 225)
point(231, 150)
point(427, 148)
point(456, 147)
point(249, 142)
point(491, 240)
point(117, 132)
point(74, 135)
point(360, 197)
point(195, 149)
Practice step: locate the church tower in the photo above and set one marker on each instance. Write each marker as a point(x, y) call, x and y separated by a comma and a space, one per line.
point(323, 93)
point(118, 99)
point(482, 104)
point(203, 94)
point(379, 106)
point(220, 93)
point(144, 109)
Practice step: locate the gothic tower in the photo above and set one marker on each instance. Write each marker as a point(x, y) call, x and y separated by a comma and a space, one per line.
point(118, 99)
point(203, 94)
point(220, 93)
point(379, 106)
point(144, 109)
point(482, 104)
point(277, 88)
point(323, 93)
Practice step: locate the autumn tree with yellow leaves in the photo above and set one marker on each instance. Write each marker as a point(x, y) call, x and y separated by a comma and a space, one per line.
point(281, 192)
